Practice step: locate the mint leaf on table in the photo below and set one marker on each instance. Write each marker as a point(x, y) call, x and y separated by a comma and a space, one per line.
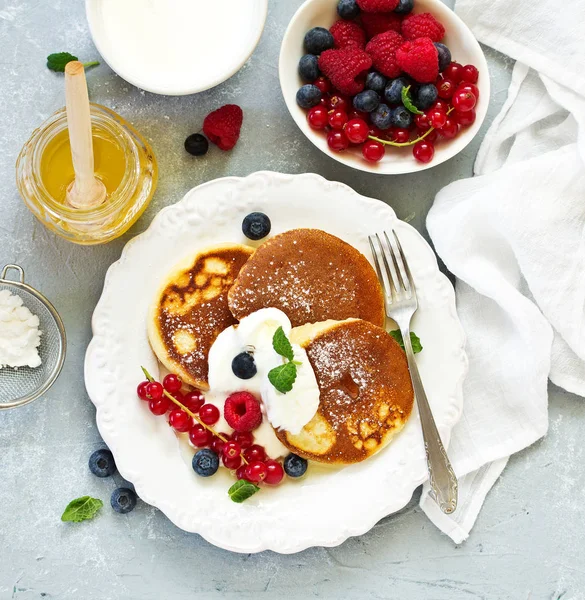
point(81, 509)
point(58, 61)
point(407, 101)
point(283, 377)
point(242, 490)
point(281, 344)
point(414, 340)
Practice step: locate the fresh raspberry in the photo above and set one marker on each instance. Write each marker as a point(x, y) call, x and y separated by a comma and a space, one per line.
point(223, 125)
point(382, 48)
point(346, 68)
point(423, 25)
point(242, 411)
point(376, 23)
point(419, 59)
point(348, 33)
point(378, 6)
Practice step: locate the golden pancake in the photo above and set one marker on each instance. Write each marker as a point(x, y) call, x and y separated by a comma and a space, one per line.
point(366, 395)
point(190, 310)
point(311, 276)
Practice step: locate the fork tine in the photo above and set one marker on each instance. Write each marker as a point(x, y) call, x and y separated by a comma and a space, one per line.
point(397, 265)
point(404, 262)
point(394, 282)
point(382, 276)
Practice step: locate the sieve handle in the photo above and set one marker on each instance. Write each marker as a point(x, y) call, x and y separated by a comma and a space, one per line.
point(16, 268)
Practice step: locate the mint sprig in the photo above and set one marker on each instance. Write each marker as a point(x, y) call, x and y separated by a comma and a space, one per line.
point(81, 509)
point(58, 61)
point(242, 490)
point(407, 101)
point(281, 344)
point(283, 376)
point(414, 340)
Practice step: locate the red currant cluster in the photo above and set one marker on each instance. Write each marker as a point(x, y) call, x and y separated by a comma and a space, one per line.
point(345, 125)
point(188, 413)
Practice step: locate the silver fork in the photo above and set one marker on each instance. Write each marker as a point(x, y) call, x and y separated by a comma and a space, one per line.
point(401, 304)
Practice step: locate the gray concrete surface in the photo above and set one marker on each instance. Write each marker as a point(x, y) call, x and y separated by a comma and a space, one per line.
point(529, 539)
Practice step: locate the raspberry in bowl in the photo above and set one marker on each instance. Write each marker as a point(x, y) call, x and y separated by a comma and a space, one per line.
point(410, 72)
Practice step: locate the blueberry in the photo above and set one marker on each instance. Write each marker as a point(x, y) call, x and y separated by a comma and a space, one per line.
point(348, 9)
point(101, 463)
point(376, 82)
point(309, 68)
point(401, 117)
point(256, 226)
point(366, 101)
point(444, 56)
point(308, 96)
point(244, 366)
point(196, 144)
point(123, 500)
point(205, 462)
point(295, 466)
point(404, 7)
point(318, 40)
point(382, 117)
point(393, 91)
point(426, 96)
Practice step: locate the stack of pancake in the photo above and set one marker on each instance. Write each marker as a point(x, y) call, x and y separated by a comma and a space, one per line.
point(334, 301)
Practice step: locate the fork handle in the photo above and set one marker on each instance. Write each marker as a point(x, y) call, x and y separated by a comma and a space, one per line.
point(441, 475)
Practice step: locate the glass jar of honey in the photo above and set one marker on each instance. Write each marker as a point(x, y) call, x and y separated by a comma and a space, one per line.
point(124, 162)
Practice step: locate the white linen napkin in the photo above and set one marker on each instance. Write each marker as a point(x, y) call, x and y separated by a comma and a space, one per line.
point(514, 236)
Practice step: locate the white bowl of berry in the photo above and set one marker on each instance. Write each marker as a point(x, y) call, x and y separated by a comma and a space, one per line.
point(384, 86)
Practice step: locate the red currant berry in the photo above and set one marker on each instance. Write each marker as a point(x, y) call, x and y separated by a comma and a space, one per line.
point(217, 444)
point(172, 383)
point(274, 472)
point(373, 151)
point(244, 438)
point(423, 151)
point(231, 449)
point(231, 463)
point(194, 401)
point(337, 118)
point(429, 137)
point(449, 129)
point(256, 472)
point(141, 390)
point(440, 105)
point(154, 390)
point(446, 88)
point(200, 436)
point(337, 141)
point(339, 102)
point(400, 135)
point(470, 74)
point(422, 121)
point(468, 87)
point(465, 118)
point(241, 472)
point(323, 84)
point(376, 132)
point(317, 117)
point(254, 453)
point(179, 397)
point(159, 406)
point(180, 421)
point(357, 131)
point(454, 72)
point(324, 101)
point(209, 414)
point(437, 118)
point(356, 114)
point(464, 101)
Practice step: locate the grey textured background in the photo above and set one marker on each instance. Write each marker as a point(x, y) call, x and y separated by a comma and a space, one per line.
point(529, 539)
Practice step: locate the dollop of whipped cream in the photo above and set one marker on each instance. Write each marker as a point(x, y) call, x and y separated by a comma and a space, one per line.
point(290, 411)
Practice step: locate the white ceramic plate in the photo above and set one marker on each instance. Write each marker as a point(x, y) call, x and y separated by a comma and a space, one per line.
point(328, 505)
point(206, 42)
point(464, 49)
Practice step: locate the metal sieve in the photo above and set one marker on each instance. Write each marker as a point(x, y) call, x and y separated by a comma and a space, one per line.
point(23, 385)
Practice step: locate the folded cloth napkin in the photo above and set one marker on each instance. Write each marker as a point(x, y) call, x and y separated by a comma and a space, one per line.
point(514, 236)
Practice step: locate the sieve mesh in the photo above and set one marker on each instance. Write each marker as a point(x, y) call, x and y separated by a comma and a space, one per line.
point(25, 384)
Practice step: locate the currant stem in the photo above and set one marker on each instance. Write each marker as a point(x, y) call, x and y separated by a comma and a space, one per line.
point(191, 414)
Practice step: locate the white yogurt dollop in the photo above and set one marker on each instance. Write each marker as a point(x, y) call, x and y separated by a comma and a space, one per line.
point(290, 411)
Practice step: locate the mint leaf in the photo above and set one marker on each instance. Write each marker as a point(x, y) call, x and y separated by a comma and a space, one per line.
point(407, 101)
point(281, 344)
point(58, 61)
point(283, 377)
point(414, 340)
point(81, 509)
point(242, 490)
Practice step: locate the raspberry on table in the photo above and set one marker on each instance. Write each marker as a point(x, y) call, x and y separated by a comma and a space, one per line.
point(348, 33)
point(382, 48)
point(222, 126)
point(377, 6)
point(376, 23)
point(420, 59)
point(422, 25)
point(346, 68)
